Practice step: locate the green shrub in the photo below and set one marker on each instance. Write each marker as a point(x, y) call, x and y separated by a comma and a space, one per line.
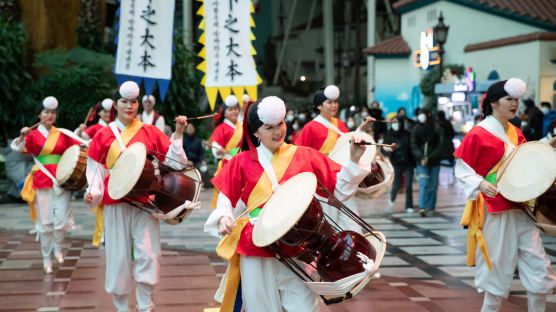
point(13, 75)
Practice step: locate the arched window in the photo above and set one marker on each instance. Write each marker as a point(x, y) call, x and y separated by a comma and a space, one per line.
point(493, 75)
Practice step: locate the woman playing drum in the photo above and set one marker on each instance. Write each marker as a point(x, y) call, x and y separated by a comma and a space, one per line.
point(127, 227)
point(250, 177)
point(505, 236)
point(49, 202)
point(104, 115)
point(226, 136)
point(322, 132)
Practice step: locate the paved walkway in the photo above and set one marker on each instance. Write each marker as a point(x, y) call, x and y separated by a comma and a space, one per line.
point(424, 268)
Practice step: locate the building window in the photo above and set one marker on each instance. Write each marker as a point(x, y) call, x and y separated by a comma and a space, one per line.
point(411, 21)
point(432, 15)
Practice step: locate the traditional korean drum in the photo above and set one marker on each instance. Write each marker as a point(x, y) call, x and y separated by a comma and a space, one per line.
point(293, 225)
point(152, 186)
point(527, 176)
point(382, 174)
point(527, 172)
point(71, 169)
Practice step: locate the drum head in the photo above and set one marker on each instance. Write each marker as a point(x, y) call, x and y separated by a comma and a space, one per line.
point(67, 164)
point(340, 152)
point(284, 208)
point(127, 170)
point(529, 173)
point(194, 174)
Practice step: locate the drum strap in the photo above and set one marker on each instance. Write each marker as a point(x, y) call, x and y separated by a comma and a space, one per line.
point(119, 145)
point(328, 124)
point(236, 137)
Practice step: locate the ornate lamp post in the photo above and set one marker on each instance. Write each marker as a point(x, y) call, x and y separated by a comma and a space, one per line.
point(440, 35)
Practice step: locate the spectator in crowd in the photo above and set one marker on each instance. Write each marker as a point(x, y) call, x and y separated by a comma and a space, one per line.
point(402, 117)
point(379, 128)
point(350, 124)
point(447, 152)
point(535, 117)
point(290, 117)
point(426, 145)
point(549, 116)
point(402, 160)
point(193, 148)
point(550, 134)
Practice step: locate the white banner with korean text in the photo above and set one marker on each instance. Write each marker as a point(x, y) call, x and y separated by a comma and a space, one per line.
point(145, 42)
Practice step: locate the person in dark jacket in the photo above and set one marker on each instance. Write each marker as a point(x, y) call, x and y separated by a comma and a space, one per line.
point(426, 145)
point(193, 147)
point(535, 120)
point(402, 160)
point(447, 152)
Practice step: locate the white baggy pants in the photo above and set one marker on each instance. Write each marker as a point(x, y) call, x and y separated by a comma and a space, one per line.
point(267, 285)
point(53, 218)
point(512, 240)
point(125, 227)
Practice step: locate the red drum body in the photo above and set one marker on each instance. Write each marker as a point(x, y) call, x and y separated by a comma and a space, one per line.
point(293, 219)
point(545, 211)
point(152, 186)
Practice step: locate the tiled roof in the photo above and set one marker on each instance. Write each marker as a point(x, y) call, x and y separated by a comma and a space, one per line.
point(392, 46)
point(541, 36)
point(543, 11)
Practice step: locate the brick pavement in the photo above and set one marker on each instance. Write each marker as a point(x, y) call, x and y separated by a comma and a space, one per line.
point(424, 268)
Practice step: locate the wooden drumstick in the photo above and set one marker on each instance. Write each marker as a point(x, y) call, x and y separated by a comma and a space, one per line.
point(207, 144)
point(202, 117)
point(88, 115)
point(370, 143)
point(33, 127)
point(387, 121)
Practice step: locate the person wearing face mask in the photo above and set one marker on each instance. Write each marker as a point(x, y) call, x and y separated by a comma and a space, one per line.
point(126, 227)
point(535, 120)
point(426, 145)
point(226, 136)
point(105, 117)
point(402, 160)
point(322, 132)
point(500, 234)
point(50, 204)
point(250, 177)
point(549, 116)
point(550, 137)
point(350, 123)
point(290, 117)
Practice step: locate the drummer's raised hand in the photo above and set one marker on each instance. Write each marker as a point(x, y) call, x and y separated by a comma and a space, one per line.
point(488, 189)
point(365, 124)
point(356, 150)
point(181, 122)
point(225, 226)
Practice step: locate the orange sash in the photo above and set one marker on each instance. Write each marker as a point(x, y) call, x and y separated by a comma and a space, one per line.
point(29, 194)
point(127, 134)
point(331, 139)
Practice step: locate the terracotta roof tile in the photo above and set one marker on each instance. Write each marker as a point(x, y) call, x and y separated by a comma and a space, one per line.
point(540, 10)
point(392, 46)
point(541, 36)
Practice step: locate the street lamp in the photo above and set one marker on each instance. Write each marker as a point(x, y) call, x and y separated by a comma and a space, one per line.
point(440, 35)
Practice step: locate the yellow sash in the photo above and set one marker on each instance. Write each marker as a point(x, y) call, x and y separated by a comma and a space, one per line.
point(127, 134)
point(113, 153)
point(474, 213)
point(28, 194)
point(260, 194)
point(331, 139)
point(232, 143)
point(236, 137)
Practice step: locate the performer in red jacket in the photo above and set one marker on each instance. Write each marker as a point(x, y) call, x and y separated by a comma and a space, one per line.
point(127, 228)
point(503, 233)
point(50, 204)
point(250, 178)
point(104, 114)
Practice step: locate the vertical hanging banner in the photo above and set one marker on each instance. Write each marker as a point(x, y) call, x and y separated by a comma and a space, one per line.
point(228, 53)
point(144, 42)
